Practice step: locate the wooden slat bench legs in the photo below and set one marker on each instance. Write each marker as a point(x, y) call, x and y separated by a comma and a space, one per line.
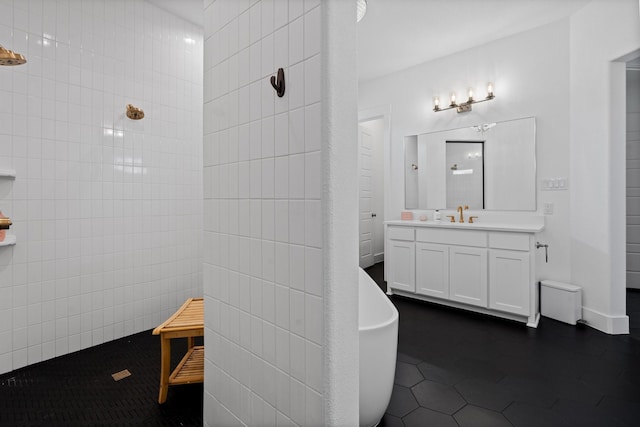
point(187, 322)
point(165, 368)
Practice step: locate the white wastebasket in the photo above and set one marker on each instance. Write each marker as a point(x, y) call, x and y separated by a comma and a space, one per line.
point(561, 301)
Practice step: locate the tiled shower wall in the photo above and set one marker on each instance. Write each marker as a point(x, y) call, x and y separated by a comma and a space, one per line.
point(106, 210)
point(263, 250)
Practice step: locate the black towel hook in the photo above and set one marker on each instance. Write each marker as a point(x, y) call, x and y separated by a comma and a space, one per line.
point(278, 84)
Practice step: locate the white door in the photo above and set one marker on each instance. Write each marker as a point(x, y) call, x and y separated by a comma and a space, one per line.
point(366, 198)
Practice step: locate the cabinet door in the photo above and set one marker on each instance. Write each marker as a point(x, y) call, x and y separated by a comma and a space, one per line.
point(509, 288)
point(432, 270)
point(468, 275)
point(402, 263)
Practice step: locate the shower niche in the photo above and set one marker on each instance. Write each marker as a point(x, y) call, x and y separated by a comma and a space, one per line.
point(7, 173)
point(6, 239)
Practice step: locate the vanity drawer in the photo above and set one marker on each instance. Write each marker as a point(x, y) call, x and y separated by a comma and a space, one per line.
point(401, 233)
point(452, 237)
point(511, 241)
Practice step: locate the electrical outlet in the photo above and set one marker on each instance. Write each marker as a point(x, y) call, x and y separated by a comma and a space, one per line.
point(548, 208)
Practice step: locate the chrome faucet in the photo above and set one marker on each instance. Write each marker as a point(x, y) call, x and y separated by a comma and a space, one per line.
point(460, 209)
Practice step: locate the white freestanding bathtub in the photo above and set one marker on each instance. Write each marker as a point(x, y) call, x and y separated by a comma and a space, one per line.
point(378, 331)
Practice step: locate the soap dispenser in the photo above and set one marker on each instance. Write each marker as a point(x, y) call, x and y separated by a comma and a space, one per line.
point(436, 215)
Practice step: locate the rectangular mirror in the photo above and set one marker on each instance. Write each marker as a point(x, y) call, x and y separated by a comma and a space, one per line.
point(490, 166)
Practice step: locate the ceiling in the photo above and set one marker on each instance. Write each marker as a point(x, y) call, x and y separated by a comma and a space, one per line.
point(397, 34)
point(190, 10)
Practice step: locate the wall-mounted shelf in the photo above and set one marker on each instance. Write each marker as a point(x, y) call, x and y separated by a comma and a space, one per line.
point(8, 173)
point(9, 240)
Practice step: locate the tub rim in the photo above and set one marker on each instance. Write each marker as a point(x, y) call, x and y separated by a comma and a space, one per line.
point(388, 321)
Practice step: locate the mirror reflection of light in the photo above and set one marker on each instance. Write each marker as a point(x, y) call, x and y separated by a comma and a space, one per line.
point(189, 40)
point(483, 128)
point(463, 172)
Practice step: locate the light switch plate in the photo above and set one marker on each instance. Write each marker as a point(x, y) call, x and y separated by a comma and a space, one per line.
point(555, 184)
point(548, 208)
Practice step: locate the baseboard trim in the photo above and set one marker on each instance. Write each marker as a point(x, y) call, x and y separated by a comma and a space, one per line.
point(614, 325)
point(378, 257)
point(467, 307)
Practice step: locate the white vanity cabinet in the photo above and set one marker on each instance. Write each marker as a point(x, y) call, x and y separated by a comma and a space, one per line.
point(401, 251)
point(432, 270)
point(480, 269)
point(510, 259)
point(468, 275)
point(465, 264)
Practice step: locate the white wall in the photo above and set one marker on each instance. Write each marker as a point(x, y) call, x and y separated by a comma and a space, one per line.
point(106, 211)
point(562, 75)
point(530, 72)
point(280, 214)
point(597, 143)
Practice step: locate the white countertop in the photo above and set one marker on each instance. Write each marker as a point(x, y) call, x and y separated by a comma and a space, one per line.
point(532, 224)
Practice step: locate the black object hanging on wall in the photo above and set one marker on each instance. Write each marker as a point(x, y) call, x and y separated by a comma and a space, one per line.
point(278, 83)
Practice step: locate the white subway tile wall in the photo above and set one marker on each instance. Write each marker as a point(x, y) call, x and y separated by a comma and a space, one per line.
point(263, 232)
point(107, 211)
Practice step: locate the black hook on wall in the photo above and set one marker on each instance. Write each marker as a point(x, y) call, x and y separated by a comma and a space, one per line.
point(278, 84)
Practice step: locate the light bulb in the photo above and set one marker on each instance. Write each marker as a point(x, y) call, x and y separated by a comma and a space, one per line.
point(490, 90)
point(436, 103)
point(470, 94)
point(361, 9)
point(453, 99)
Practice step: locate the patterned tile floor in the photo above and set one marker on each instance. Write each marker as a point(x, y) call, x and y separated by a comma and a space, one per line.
point(78, 390)
point(456, 368)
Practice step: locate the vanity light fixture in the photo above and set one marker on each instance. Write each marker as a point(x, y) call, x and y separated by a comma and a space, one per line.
point(463, 107)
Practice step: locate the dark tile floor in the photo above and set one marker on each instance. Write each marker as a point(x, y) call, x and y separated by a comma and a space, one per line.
point(462, 369)
point(454, 369)
point(78, 390)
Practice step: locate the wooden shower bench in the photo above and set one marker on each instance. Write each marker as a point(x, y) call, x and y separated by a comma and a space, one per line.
point(187, 322)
